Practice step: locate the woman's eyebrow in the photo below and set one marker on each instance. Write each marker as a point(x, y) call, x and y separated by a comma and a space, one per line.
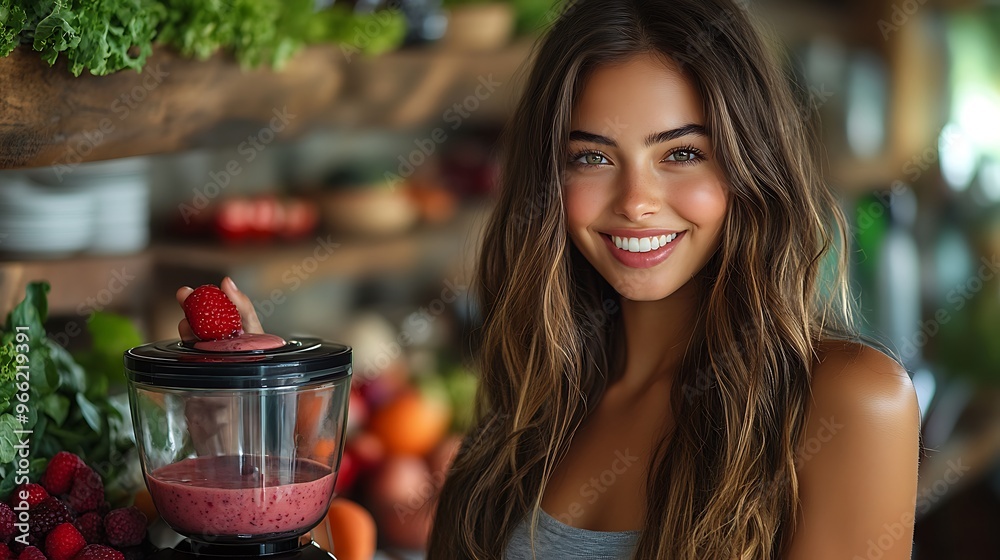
point(668, 135)
point(651, 140)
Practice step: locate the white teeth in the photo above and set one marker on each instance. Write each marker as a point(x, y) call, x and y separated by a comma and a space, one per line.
point(643, 244)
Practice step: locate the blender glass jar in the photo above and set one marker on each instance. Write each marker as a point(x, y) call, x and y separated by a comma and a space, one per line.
point(240, 447)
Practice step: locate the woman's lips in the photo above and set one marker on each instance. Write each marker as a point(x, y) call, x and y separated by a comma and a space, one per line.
point(646, 259)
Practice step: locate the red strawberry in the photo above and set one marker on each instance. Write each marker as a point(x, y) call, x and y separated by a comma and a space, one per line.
point(6, 522)
point(33, 494)
point(99, 552)
point(63, 542)
point(5, 553)
point(59, 473)
point(31, 553)
point(46, 515)
point(87, 492)
point(211, 314)
point(125, 527)
point(91, 526)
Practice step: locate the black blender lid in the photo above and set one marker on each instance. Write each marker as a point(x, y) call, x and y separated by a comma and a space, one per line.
point(174, 364)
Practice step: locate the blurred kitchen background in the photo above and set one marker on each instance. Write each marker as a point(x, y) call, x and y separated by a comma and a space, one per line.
point(346, 195)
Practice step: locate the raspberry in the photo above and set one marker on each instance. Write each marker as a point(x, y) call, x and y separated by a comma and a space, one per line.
point(5, 553)
point(91, 526)
point(34, 494)
point(99, 552)
point(63, 542)
point(87, 492)
point(31, 553)
point(46, 515)
point(6, 522)
point(59, 473)
point(125, 527)
point(211, 314)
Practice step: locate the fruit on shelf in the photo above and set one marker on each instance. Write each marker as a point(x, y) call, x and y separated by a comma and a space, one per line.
point(144, 502)
point(357, 412)
point(347, 474)
point(413, 423)
point(400, 495)
point(440, 459)
point(211, 314)
point(352, 530)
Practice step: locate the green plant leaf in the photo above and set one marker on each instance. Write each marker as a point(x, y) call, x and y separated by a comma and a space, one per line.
point(90, 412)
point(56, 406)
point(8, 439)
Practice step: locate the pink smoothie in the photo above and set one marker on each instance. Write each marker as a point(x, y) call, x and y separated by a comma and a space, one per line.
point(210, 496)
point(243, 343)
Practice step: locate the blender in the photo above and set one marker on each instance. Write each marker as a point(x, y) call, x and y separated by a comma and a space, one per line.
point(240, 450)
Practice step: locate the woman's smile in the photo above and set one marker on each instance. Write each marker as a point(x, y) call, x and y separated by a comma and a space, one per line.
point(642, 249)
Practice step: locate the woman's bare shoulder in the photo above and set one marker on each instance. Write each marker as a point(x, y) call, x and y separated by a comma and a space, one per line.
point(849, 375)
point(857, 462)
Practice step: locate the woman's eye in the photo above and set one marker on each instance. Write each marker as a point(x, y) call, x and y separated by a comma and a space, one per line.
point(682, 156)
point(591, 158)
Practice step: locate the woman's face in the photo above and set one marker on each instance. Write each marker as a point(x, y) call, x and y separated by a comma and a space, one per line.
point(645, 199)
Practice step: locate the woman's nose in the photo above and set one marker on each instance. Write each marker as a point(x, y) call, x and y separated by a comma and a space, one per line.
point(638, 195)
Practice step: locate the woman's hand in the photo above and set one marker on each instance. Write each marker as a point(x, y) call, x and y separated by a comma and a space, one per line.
point(248, 315)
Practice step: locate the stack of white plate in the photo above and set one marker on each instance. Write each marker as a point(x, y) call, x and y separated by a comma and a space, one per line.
point(121, 192)
point(44, 221)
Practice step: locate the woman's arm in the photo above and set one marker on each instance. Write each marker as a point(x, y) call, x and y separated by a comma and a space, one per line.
point(857, 463)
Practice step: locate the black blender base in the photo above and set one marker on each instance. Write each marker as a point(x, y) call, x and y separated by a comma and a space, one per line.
point(186, 551)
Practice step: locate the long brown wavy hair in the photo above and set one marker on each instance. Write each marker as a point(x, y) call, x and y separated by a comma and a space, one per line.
point(722, 485)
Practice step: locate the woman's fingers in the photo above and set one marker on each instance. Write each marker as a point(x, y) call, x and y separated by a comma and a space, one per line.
point(187, 335)
point(248, 314)
point(183, 293)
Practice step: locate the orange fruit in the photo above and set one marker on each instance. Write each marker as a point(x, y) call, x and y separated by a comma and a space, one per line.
point(412, 423)
point(144, 502)
point(352, 529)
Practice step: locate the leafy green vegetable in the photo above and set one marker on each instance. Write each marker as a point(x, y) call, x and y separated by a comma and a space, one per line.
point(12, 22)
point(68, 406)
point(105, 36)
point(100, 36)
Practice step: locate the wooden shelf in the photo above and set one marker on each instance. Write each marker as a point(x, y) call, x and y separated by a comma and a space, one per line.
point(80, 284)
point(331, 254)
point(49, 117)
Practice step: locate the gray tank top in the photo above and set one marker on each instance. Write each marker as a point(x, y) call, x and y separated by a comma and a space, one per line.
point(554, 540)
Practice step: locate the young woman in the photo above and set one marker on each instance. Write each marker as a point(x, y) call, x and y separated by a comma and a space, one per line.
point(663, 377)
point(662, 374)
